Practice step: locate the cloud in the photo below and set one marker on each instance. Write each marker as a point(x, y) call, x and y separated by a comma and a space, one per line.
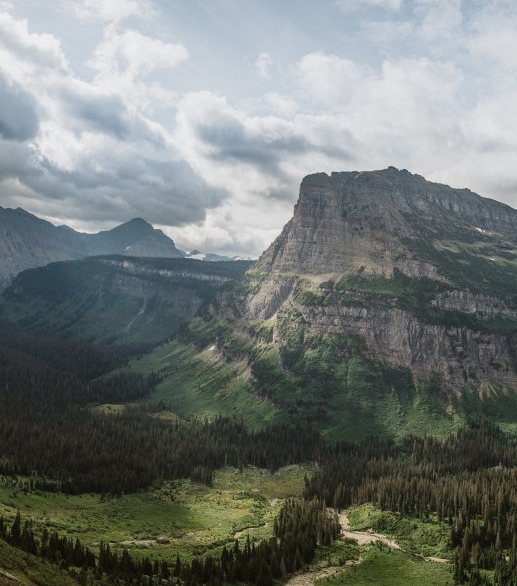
point(402, 114)
point(134, 55)
point(18, 117)
point(111, 11)
point(93, 109)
point(331, 80)
point(351, 5)
point(491, 38)
point(263, 65)
point(130, 121)
point(257, 158)
point(96, 152)
point(232, 230)
point(36, 54)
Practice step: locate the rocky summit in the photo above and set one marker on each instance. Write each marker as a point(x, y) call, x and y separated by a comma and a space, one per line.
point(356, 221)
point(405, 273)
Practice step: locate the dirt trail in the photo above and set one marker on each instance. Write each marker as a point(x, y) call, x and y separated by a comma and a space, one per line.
point(309, 578)
point(363, 538)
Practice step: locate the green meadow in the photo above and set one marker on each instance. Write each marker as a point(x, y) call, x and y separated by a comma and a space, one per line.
point(179, 517)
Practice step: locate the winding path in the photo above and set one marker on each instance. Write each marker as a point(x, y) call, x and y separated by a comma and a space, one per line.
point(363, 538)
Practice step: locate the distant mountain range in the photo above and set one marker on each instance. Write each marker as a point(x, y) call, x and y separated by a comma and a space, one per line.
point(27, 241)
point(211, 257)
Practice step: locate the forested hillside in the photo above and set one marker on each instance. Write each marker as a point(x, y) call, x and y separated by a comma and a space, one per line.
point(465, 481)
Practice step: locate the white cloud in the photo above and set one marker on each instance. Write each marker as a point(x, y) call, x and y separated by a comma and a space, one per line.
point(263, 65)
point(330, 79)
point(492, 40)
point(108, 10)
point(35, 54)
point(233, 230)
point(351, 5)
point(131, 54)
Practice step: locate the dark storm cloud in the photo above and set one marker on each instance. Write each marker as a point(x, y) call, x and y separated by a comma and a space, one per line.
point(166, 192)
point(230, 141)
point(105, 113)
point(18, 117)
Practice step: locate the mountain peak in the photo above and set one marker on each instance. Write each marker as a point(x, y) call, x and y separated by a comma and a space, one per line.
point(134, 238)
point(134, 227)
point(27, 241)
point(355, 220)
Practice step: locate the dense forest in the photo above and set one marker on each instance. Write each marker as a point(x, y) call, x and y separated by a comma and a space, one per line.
point(69, 445)
point(468, 480)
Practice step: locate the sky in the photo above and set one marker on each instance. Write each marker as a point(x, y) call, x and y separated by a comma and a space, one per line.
point(203, 116)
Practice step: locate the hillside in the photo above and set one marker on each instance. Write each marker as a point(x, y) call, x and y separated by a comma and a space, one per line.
point(387, 304)
point(115, 299)
point(385, 313)
point(27, 241)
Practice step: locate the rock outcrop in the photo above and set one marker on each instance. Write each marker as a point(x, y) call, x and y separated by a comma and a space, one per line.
point(424, 274)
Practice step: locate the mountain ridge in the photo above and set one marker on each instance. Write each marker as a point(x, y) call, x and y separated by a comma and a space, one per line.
point(27, 241)
point(386, 306)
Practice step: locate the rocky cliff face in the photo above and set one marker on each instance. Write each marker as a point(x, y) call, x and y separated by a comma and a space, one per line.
point(423, 274)
point(27, 241)
point(350, 221)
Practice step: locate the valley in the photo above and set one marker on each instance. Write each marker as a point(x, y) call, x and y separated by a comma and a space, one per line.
point(344, 409)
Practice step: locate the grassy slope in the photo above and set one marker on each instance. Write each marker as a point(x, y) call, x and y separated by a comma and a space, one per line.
point(202, 384)
point(369, 399)
point(391, 568)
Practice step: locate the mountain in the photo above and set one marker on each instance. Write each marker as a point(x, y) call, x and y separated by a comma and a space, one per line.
point(134, 238)
point(115, 299)
point(387, 304)
point(354, 221)
point(27, 241)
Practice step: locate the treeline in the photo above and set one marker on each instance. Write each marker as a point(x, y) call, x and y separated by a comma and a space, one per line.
point(44, 369)
point(94, 452)
point(61, 438)
point(300, 528)
point(468, 480)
